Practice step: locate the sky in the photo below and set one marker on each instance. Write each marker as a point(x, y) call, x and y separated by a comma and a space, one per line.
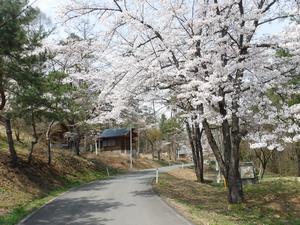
point(49, 7)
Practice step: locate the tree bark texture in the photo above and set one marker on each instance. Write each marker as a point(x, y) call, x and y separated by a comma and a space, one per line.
point(17, 135)
point(228, 160)
point(195, 134)
point(48, 140)
point(35, 138)
point(13, 154)
point(7, 124)
point(158, 155)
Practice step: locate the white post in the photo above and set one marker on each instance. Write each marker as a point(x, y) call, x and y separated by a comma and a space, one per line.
point(96, 147)
point(219, 173)
point(156, 177)
point(138, 142)
point(130, 147)
point(181, 165)
point(107, 171)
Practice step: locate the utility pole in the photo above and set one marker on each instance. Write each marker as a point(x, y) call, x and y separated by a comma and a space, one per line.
point(130, 147)
point(138, 142)
point(96, 147)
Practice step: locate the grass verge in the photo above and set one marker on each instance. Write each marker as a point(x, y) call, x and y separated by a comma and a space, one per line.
point(271, 202)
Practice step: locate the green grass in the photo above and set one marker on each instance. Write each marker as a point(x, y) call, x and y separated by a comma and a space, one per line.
point(20, 212)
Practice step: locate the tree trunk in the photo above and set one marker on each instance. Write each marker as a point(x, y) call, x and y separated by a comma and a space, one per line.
point(197, 151)
point(85, 143)
point(158, 155)
point(263, 157)
point(261, 163)
point(49, 151)
point(77, 142)
point(191, 140)
point(17, 135)
point(30, 156)
point(235, 185)
point(7, 124)
point(138, 144)
point(297, 145)
point(48, 140)
point(77, 146)
point(35, 141)
point(233, 178)
point(152, 150)
point(13, 154)
point(171, 150)
point(264, 167)
point(229, 159)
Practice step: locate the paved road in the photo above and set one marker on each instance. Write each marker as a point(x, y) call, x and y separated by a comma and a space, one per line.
point(122, 200)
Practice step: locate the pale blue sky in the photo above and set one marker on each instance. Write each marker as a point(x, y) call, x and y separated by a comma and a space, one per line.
point(49, 7)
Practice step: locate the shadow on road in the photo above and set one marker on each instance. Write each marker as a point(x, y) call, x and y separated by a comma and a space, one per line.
point(144, 193)
point(75, 211)
point(77, 208)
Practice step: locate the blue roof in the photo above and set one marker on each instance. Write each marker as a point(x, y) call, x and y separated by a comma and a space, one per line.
point(114, 132)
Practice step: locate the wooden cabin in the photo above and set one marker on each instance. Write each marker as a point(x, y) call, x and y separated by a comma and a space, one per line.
point(116, 139)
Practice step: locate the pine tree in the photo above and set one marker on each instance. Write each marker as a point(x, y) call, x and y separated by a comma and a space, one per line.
point(15, 40)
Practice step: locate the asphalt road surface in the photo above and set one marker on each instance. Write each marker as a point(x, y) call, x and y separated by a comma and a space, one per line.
point(121, 200)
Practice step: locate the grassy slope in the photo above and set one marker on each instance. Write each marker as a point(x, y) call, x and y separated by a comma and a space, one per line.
point(273, 201)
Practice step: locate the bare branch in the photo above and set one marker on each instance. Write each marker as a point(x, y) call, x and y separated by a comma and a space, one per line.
point(273, 19)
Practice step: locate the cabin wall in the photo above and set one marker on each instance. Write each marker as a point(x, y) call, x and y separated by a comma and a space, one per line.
point(115, 144)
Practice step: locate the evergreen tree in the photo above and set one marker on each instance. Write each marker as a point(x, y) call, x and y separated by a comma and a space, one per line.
point(15, 41)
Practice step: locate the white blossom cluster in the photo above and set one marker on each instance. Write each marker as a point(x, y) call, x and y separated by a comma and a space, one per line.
point(206, 56)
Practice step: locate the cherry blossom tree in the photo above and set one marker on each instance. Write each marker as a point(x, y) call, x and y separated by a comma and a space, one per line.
point(206, 54)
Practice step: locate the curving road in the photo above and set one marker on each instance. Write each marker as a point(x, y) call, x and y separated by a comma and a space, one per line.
point(122, 200)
